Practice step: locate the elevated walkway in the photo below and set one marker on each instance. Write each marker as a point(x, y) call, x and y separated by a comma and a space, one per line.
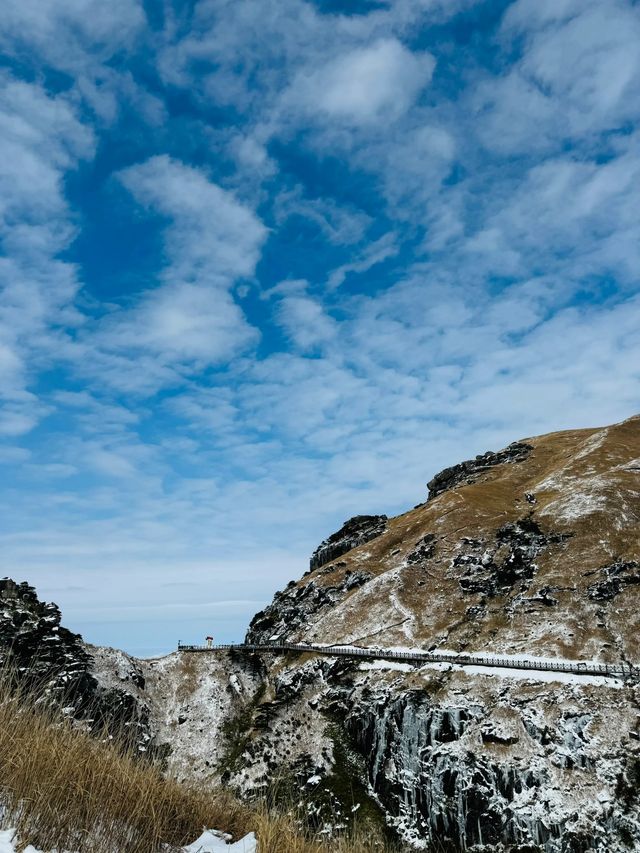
point(591, 668)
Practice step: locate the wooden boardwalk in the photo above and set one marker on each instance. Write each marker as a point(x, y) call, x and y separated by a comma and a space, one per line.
point(610, 670)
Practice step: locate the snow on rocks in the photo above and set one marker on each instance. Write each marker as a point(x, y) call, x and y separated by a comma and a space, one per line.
point(209, 842)
point(398, 666)
point(57, 663)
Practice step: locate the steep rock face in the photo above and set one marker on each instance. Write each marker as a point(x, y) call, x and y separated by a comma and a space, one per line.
point(55, 662)
point(291, 607)
point(467, 760)
point(533, 766)
point(353, 533)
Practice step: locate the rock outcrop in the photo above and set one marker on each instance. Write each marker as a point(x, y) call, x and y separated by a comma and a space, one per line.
point(530, 551)
point(292, 607)
point(494, 568)
point(353, 533)
point(52, 661)
point(468, 472)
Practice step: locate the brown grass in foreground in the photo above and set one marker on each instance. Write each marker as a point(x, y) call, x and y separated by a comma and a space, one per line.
point(64, 789)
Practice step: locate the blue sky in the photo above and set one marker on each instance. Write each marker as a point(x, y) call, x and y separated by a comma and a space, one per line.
point(266, 264)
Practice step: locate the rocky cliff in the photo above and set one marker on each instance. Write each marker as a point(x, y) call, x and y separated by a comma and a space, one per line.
point(530, 551)
point(354, 532)
point(43, 656)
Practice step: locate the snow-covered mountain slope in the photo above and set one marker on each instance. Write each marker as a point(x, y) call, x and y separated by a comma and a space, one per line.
point(192, 702)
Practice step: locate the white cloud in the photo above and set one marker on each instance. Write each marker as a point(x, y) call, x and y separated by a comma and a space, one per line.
point(579, 74)
point(578, 215)
point(306, 323)
point(182, 322)
point(494, 226)
point(252, 155)
point(375, 253)
point(366, 84)
point(41, 138)
point(81, 38)
point(212, 240)
point(341, 224)
point(70, 33)
point(210, 229)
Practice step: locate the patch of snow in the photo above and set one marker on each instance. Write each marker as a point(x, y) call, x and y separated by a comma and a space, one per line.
point(216, 842)
point(632, 466)
point(592, 443)
point(399, 606)
point(387, 664)
point(209, 842)
point(529, 675)
point(7, 845)
point(576, 505)
point(521, 656)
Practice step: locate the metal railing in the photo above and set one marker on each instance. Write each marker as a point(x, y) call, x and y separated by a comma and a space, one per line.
point(623, 670)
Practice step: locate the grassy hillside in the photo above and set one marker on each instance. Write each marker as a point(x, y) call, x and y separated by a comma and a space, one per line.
point(539, 556)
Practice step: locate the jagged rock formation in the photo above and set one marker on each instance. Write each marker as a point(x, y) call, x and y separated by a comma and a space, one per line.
point(291, 607)
point(38, 647)
point(55, 663)
point(496, 568)
point(616, 578)
point(353, 533)
point(537, 558)
point(467, 472)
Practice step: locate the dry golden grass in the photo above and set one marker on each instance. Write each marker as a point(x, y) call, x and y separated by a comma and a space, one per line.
point(279, 834)
point(65, 789)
